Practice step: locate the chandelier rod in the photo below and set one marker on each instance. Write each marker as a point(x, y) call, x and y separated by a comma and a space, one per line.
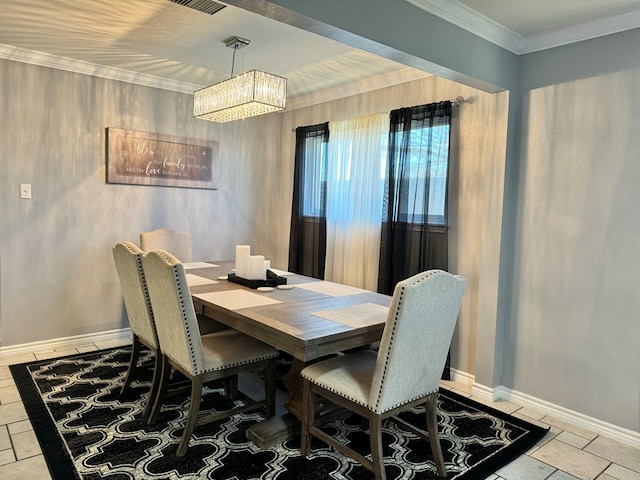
point(236, 43)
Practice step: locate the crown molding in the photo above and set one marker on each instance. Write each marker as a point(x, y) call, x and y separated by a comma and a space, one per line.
point(583, 31)
point(87, 68)
point(78, 66)
point(464, 17)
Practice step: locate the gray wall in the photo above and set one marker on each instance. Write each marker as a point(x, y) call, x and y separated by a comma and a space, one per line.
point(576, 302)
point(57, 274)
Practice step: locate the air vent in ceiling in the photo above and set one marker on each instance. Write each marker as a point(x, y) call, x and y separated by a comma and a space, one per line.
point(205, 6)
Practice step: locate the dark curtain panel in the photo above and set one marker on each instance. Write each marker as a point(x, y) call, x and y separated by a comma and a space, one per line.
point(308, 237)
point(414, 220)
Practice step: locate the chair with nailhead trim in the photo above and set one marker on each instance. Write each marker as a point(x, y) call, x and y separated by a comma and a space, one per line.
point(404, 373)
point(175, 242)
point(214, 356)
point(128, 259)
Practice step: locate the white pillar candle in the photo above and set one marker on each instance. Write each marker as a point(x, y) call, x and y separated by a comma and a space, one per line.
point(243, 253)
point(256, 268)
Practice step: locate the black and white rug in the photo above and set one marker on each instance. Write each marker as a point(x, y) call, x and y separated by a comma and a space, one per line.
point(88, 431)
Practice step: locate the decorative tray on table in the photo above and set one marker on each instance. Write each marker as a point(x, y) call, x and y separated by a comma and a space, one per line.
point(272, 280)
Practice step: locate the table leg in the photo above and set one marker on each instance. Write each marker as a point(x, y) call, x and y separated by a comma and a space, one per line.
point(277, 429)
point(293, 382)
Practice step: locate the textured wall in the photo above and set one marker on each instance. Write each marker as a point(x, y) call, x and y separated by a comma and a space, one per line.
point(57, 273)
point(576, 306)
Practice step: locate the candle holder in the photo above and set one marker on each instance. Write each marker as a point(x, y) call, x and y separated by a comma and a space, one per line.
point(272, 280)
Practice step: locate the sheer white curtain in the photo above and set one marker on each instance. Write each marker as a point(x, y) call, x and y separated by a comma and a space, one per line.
point(355, 186)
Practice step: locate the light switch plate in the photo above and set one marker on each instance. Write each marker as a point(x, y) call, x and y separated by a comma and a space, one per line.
point(25, 190)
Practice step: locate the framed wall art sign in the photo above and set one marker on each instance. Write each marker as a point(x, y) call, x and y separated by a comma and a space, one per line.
point(142, 158)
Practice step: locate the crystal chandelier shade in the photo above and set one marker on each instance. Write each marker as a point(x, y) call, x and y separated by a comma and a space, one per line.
point(247, 95)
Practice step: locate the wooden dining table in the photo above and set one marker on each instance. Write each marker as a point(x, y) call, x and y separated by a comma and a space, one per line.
point(307, 318)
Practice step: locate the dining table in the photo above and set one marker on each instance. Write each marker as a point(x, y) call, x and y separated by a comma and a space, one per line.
point(305, 317)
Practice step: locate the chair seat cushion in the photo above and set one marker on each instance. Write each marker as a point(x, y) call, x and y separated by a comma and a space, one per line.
point(229, 348)
point(347, 375)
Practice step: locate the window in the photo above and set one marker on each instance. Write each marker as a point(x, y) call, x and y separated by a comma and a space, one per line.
point(314, 173)
point(427, 174)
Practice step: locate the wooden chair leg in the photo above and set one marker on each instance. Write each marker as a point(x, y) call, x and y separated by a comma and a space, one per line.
point(270, 388)
point(192, 416)
point(308, 417)
point(155, 381)
point(375, 434)
point(162, 390)
point(432, 430)
point(231, 387)
point(133, 362)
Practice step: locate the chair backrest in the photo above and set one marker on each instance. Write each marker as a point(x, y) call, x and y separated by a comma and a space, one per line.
point(128, 259)
point(176, 243)
point(173, 310)
point(416, 338)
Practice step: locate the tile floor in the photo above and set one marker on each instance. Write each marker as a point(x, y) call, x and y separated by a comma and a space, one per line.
point(567, 452)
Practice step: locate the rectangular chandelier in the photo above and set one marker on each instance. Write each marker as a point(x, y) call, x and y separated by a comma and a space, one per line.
point(247, 95)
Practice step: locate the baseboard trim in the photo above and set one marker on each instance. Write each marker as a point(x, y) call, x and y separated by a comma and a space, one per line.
point(66, 342)
point(609, 430)
point(482, 392)
point(461, 377)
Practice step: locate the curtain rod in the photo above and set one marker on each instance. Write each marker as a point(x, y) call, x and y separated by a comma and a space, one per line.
point(455, 102)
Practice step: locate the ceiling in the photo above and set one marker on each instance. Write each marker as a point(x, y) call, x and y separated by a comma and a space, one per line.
point(161, 43)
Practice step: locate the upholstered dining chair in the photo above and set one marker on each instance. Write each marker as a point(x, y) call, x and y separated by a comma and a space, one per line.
point(175, 242)
point(404, 373)
point(128, 259)
point(201, 359)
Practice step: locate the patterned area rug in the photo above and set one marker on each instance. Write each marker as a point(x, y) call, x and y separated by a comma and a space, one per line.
point(88, 431)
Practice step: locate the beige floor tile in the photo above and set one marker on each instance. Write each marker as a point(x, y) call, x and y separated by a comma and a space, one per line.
point(25, 444)
point(9, 395)
point(501, 405)
point(5, 373)
point(12, 412)
point(464, 393)
point(14, 359)
point(573, 439)
point(7, 456)
point(525, 468)
point(620, 473)
point(535, 421)
point(571, 460)
point(560, 475)
point(569, 427)
point(87, 348)
point(7, 382)
point(461, 387)
point(550, 435)
point(18, 427)
point(617, 452)
point(55, 354)
point(531, 413)
point(604, 476)
point(30, 468)
point(5, 440)
point(112, 343)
